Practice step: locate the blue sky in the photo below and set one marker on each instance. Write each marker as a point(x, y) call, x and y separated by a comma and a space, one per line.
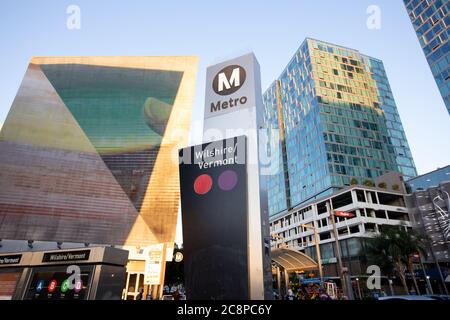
point(217, 30)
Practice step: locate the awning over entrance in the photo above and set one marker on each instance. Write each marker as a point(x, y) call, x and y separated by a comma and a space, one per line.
point(292, 260)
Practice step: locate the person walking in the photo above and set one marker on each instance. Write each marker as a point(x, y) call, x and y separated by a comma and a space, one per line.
point(176, 295)
point(140, 294)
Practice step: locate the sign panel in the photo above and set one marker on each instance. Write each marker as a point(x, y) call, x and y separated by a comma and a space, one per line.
point(52, 283)
point(234, 107)
point(344, 214)
point(230, 87)
point(79, 255)
point(213, 181)
point(10, 259)
point(154, 264)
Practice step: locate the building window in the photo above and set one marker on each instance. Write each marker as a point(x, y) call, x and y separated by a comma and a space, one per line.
point(360, 196)
point(370, 227)
point(324, 236)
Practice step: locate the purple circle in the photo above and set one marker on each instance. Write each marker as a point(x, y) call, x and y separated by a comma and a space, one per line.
point(228, 180)
point(78, 286)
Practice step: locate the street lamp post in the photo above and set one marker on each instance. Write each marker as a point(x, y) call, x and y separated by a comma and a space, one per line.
point(359, 289)
point(277, 237)
point(391, 288)
point(316, 241)
point(342, 272)
point(427, 278)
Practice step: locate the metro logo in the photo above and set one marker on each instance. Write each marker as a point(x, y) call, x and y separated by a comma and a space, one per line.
point(229, 80)
point(234, 79)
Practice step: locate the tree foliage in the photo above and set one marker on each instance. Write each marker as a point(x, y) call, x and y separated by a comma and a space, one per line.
point(393, 249)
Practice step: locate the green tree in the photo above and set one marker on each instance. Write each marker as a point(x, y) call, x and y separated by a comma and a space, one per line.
point(353, 181)
point(368, 183)
point(411, 242)
point(395, 187)
point(393, 249)
point(382, 185)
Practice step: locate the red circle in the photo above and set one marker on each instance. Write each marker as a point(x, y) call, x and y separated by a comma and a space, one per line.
point(202, 184)
point(52, 286)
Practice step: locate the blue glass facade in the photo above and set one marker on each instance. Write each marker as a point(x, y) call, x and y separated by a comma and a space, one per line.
point(430, 179)
point(394, 125)
point(279, 189)
point(340, 123)
point(431, 22)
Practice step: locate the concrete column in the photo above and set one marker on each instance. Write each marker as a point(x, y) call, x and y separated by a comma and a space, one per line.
point(286, 280)
point(279, 282)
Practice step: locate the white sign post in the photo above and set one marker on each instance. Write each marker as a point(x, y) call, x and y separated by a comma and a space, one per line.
point(154, 260)
point(233, 107)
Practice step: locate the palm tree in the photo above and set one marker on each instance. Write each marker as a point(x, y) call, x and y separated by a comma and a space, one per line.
point(411, 242)
point(393, 249)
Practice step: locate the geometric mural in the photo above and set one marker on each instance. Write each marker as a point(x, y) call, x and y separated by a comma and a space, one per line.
point(87, 150)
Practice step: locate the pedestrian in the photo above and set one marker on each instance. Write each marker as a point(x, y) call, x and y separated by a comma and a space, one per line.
point(323, 295)
point(176, 295)
point(290, 295)
point(140, 294)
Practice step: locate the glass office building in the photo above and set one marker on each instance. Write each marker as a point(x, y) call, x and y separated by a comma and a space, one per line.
point(429, 180)
point(338, 124)
point(429, 211)
point(431, 22)
point(428, 205)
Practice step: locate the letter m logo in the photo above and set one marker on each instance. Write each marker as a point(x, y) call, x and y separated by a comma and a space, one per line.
point(229, 80)
point(234, 80)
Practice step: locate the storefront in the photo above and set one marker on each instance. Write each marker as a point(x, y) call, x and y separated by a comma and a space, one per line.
point(78, 274)
point(12, 272)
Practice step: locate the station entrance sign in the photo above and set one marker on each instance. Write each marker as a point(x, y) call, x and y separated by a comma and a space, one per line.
point(213, 181)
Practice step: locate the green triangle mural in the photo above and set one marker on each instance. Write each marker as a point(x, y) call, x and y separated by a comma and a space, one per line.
point(123, 112)
point(53, 179)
